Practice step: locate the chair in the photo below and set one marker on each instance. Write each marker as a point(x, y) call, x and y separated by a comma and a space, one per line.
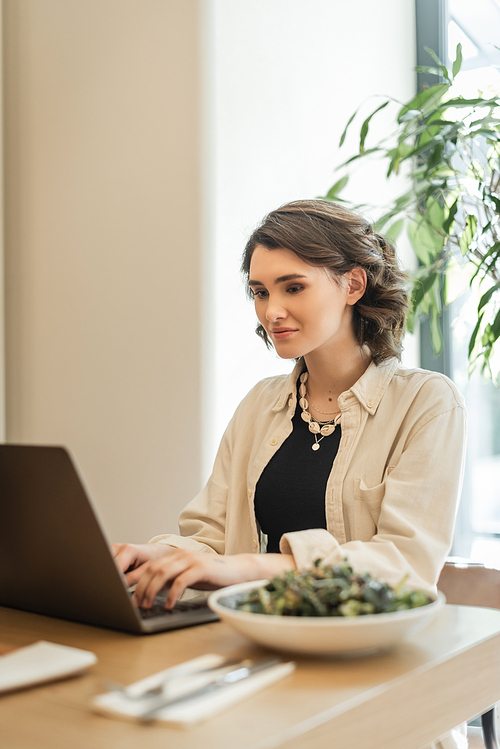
point(470, 584)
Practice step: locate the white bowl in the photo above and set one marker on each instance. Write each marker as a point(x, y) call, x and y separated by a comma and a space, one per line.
point(320, 635)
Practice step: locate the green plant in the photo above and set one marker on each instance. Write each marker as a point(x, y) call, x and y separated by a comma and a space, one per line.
point(449, 147)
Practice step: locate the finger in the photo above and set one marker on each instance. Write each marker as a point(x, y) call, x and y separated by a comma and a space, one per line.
point(200, 574)
point(156, 575)
point(126, 556)
point(185, 580)
point(142, 593)
point(134, 575)
point(129, 556)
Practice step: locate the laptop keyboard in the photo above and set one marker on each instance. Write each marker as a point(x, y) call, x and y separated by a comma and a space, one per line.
point(158, 609)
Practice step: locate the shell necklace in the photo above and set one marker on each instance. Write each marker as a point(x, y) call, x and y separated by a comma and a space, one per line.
point(317, 428)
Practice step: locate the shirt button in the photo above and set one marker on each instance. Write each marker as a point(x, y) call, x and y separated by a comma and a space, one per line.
point(290, 402)
point(249, 493)
point(255, 545)
point(274, 441)
point(369, 404)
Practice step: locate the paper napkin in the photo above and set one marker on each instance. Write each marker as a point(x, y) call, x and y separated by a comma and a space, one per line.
point(129, 705)
point(41, 662)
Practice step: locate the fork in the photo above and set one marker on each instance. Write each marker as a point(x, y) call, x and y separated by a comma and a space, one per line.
point(177, 674)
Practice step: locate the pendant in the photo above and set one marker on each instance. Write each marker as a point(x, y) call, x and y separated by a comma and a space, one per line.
point(315, 446)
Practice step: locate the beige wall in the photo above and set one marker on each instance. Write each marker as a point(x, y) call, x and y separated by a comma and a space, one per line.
point(2, 284)
point(102, 247)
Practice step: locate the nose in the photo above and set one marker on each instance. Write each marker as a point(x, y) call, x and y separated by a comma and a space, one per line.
point(274, 310)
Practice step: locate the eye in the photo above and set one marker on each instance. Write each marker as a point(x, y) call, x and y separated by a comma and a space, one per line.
point(294, 289)
point(259, 293)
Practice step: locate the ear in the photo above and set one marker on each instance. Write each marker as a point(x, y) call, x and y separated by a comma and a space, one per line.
point(356, 284)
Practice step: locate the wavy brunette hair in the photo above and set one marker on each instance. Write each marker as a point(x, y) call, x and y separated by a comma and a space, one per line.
point(326, 234)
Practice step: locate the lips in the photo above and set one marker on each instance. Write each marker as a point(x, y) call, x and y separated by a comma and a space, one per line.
point(282, 332)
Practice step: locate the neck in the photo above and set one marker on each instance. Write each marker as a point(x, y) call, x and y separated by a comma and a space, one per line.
point(331, 374)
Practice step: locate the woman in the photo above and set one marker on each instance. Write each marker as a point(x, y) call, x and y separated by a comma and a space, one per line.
point(351, 455)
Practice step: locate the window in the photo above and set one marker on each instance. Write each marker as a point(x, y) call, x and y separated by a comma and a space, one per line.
point(477, 27)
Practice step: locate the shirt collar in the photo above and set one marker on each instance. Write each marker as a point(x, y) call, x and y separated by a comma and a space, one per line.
point(372, 384)
point(368, 390)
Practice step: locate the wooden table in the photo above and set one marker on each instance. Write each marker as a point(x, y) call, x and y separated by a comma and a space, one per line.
point(401, 699)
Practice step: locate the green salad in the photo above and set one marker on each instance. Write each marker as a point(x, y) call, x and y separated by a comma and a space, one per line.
point(330, 591)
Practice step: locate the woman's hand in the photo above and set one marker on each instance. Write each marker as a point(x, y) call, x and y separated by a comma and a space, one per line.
point(183, 569)
point(131, 558)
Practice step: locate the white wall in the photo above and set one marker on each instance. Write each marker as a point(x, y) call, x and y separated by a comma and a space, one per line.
point(285, 75)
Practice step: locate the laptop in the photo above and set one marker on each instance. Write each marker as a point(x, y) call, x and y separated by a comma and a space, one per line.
point(54, 556)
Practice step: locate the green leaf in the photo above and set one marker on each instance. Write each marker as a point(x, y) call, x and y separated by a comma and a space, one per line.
point(343, 136)
point(435, 212)
point(360, 156)
point(432, 54)
point(435, 102)
point(393, 232)
point(436, 335)
point(492, 256)
point(487, 296)
point(486, 339)
point(480, 101)
point(495, 328)
point(435, 157)
point(426, 243)
point(472, 341)
point(425, 100)
point(364, 127)
point(421, 247)
point(382, 221)
point(451, 217)
point(425, 306)
point(423, 146)
point(496, 201)
point(458, 61)
point(468, 234)
point(337, 187)
point(402, 152)
point(421, 287)
point(410, 321)
point(427, 69)
point(438, 62)
point(398, 207)
point(409, 114)
point(436, 297)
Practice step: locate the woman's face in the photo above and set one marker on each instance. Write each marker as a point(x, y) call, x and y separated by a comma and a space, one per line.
point(301, 307)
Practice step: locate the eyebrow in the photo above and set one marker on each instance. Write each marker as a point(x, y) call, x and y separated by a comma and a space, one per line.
point(280, 279)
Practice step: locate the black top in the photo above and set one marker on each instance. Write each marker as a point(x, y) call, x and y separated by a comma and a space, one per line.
point(290, 493)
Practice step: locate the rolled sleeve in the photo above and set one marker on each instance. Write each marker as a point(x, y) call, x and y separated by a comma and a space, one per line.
point(308, 546)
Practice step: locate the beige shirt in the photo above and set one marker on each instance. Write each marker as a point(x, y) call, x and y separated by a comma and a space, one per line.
point(393, 491)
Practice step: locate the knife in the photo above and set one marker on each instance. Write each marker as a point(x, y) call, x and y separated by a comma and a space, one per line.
point(238, 674)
